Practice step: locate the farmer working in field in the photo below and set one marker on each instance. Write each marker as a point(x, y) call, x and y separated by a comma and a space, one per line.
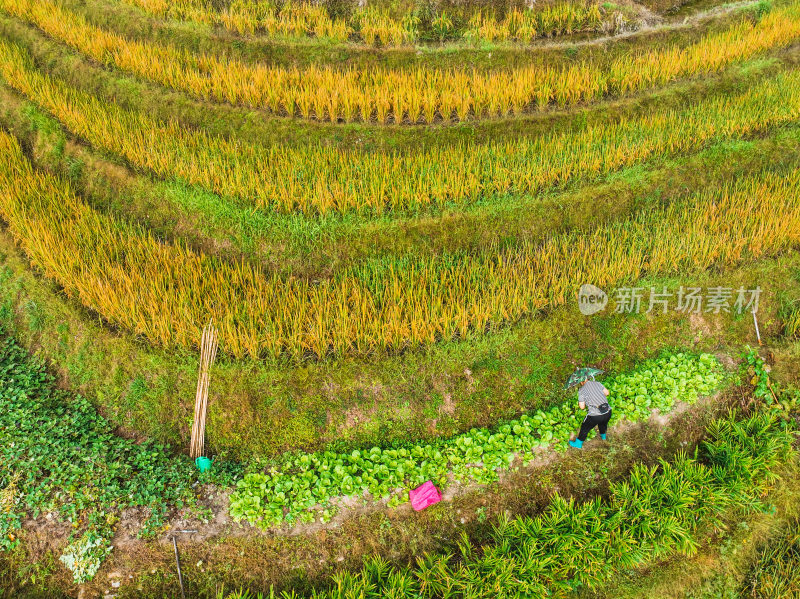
point(592, 397)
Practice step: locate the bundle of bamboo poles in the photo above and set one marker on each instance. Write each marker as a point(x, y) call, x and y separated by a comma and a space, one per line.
point(208, 351)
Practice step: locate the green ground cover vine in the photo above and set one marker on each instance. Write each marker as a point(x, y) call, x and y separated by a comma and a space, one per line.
point(58, 455)
point(305, 487)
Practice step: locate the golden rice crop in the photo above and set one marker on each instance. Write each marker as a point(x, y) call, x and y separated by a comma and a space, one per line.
point(291, 20)
point(526, 25)
point(374, 25)
point(296, 19)
point(412, 95)
point(319, 179)
point(167, 292)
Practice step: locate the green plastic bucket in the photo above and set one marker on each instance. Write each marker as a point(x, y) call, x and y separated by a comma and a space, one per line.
point(203, 464)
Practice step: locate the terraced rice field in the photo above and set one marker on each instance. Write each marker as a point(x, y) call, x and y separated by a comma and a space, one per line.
point(412, 95)
point(387, 211)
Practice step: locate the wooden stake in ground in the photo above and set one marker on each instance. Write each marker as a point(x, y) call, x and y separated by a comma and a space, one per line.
point(178, 562)
point(208, 351)
point(758, 333)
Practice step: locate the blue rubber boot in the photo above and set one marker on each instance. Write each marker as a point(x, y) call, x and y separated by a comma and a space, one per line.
point(603, 437)
point(577, 443)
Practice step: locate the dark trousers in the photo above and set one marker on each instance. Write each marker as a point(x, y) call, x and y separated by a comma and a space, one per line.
point(601, 422)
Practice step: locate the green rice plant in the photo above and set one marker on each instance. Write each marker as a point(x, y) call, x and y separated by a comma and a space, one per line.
point(792, 323)
point(525, 25)
point(377, 27)
point(375, 24)
point(789, 313)
point(284, 20)
point(321, 179)
point(776, 574)
point(442, 26)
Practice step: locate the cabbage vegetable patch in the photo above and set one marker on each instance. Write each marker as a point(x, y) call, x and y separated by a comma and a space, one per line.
point(305, 487)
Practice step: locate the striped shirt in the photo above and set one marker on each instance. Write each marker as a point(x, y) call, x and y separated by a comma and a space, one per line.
point(593, 395)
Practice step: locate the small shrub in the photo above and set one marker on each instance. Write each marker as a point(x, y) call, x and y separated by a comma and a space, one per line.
point(84, 556)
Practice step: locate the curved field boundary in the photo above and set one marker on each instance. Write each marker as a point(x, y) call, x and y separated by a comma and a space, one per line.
point(646, 24)
point(76, 70)
point(167, 292)
point(321, 179)
point(410, 95)
point(132, 23)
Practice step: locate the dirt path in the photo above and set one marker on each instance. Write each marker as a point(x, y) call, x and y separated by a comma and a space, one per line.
point(649, 23)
